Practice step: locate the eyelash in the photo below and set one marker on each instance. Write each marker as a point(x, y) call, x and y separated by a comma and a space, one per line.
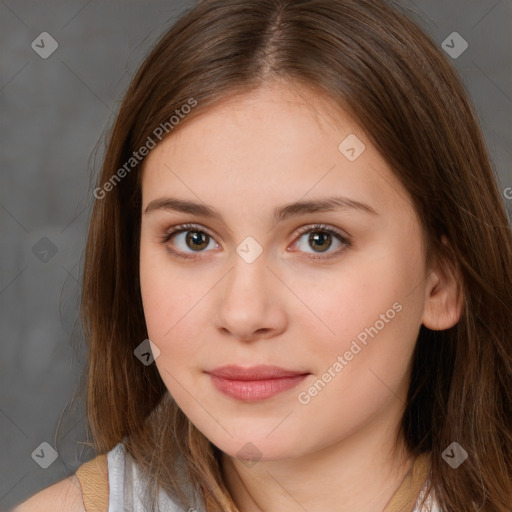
point(312, 228)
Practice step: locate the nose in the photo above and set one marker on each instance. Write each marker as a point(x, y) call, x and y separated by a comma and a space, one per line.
point(249, 303)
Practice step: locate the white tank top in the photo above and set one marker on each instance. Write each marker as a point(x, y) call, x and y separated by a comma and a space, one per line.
point(126, 487)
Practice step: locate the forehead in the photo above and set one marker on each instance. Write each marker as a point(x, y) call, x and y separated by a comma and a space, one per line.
point(278, 115)
point(275, 144)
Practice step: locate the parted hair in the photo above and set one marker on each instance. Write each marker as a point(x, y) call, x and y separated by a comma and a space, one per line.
point(373, 60)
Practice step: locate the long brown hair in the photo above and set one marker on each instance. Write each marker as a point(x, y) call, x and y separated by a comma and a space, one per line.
point(375, 62)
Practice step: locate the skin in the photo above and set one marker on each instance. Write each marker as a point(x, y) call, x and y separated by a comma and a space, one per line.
point(244, 157)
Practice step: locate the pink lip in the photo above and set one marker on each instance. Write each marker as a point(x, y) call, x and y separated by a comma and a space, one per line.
point(254, 383)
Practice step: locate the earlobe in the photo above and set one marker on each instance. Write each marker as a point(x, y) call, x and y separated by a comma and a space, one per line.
point(443, 299)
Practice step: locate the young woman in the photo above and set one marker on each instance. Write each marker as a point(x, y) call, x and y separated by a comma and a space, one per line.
point(298, 276)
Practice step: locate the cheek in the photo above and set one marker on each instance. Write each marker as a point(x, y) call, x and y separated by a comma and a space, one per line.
point(170, 301)
point(368, 285)
point(374, 308)
point(375, 333)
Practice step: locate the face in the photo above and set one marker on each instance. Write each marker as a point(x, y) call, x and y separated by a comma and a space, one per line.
point(338, 306)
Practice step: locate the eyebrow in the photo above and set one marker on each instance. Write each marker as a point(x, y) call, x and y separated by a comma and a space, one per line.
point(280, 213)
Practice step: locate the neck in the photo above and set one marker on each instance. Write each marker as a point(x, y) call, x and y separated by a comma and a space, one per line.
point(360, 473)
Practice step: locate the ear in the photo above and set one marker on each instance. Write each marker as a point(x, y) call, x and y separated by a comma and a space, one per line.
point(443, 297)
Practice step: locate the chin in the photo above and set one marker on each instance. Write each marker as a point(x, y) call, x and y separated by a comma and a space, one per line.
point(259, 447)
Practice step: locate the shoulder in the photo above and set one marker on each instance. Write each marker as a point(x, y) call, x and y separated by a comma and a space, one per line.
point(63, 496)
point(87, 489)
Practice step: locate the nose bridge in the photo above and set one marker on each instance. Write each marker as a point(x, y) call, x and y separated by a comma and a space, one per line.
point(246, 299)
point(248, 274)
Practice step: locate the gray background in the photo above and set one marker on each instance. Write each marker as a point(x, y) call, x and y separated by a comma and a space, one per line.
point(53, 115)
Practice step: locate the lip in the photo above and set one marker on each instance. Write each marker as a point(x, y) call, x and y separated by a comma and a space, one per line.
point(254, 383)
point(258, 372)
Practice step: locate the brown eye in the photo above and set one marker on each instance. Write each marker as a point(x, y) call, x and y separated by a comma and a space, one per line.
point(196, 240)
point(186, 240)
point(320, 239)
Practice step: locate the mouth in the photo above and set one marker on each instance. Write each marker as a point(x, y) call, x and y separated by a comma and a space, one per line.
point(254, 383)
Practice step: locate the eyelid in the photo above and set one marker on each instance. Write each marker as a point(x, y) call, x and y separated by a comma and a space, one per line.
point(180, 228)
point(345, 240)
point(323, 227)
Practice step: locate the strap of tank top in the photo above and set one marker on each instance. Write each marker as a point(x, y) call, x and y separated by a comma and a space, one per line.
point(93, 477)
point(407, 494)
